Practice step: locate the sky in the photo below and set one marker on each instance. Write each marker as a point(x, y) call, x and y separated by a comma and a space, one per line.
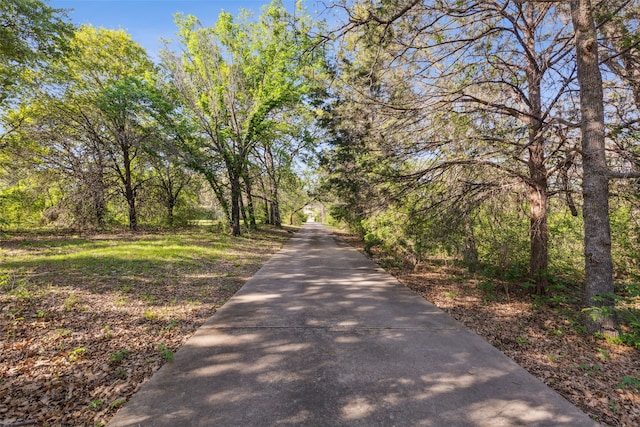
point(149, 20)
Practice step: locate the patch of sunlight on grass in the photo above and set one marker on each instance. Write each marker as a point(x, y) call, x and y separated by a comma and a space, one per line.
point(128, 254)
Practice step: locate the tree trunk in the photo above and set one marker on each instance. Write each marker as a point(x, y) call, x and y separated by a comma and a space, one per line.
point(275, 210)
point(595, 182)
point(236, 194)
point(243, 212)
point(539, 236)
point(129, 191)
point(538, 204)
point(267, 212)
point(170, 206)
point(133, 217)
point(250, 208)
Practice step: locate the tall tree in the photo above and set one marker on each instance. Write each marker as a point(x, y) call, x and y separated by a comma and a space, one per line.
point(502, 64)
point(93, 109)
point(595, 180)
point(233, 78)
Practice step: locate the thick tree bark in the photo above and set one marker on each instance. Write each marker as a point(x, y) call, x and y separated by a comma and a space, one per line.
point(170, 205)
point(243, 211)
point(538, 230)
point(595, 182)
point(275, 213)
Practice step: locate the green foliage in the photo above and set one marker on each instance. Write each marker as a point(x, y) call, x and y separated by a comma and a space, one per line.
point(118, 356)
point(241, 84)
point(150, 315)
point(299, 218)
point(118, 402)
point(166, 353)
point(77, 353)
point(589, 368)
point(629, 382)
point(566, 244)
point(625, 310)
point(96, 404)
point(625, 229)
point(72, 302)
point(501, 234)
point(32, 34)
point(487, 286)
point(21, 205)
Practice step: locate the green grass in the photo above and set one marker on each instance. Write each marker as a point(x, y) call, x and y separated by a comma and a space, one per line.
point(159, 269)
point(124, 259)
point(113, 256)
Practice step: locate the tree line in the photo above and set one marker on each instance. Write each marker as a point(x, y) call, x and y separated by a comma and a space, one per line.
point(454, 122)
point(98, 129)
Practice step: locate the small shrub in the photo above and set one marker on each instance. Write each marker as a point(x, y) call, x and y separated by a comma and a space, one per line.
point(95, 404)
point(77, 353)
point(629, 382)
point(118, 356)
point(165, 352)
point(450, 294)
point(73, 301)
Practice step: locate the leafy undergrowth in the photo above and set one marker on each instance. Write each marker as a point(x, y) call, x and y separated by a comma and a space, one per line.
point(543, 335)
point(85, 320)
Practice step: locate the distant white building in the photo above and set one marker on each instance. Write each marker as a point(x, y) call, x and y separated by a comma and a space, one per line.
point(314, 212)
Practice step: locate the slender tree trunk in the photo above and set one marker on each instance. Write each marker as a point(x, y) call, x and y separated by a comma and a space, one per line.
point(595, 181)
point(250, 207)
point(539, 236)
point(538, 229)
point(275, 209)
point(236, 195)
point(538, 203)
point(170, 206)
point(129, 191)
point(133, 218)
point(243, 211)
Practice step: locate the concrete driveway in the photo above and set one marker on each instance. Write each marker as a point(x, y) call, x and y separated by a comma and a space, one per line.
point(321, 336)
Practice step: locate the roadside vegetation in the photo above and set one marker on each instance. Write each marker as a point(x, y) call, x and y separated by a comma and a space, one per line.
point(543, 334)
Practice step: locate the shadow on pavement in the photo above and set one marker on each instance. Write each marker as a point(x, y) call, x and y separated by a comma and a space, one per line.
point(321, 336)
